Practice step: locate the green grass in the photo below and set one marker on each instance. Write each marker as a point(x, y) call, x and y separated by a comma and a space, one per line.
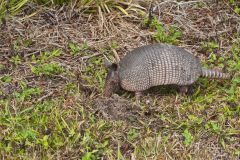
point(47, 69)
point(58, 124)
point(76, 50)
point(170, 35)
point(235, 6)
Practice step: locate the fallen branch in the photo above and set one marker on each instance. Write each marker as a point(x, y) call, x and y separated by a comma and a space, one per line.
point(116, 55)
point(45, 96)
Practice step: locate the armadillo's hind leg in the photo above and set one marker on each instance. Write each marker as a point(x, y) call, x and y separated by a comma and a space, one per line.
point(186, 90)
point(138, 95)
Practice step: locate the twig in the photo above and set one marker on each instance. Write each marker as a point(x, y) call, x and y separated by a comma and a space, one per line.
point(150, 15)
point(116, 55)
point(45, 96)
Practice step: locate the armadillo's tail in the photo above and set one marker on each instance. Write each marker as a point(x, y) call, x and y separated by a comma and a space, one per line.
point(215, 74)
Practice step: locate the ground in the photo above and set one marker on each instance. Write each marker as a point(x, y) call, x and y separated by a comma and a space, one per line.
point(52, 78)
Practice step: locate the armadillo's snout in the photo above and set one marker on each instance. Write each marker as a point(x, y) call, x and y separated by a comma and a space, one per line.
point(108, 90)
point(112, 81)
point(111, 86)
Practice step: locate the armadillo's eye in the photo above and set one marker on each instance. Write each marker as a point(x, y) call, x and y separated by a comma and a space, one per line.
point(114, 66)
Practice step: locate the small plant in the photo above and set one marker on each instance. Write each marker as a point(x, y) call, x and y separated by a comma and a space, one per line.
point(13, 6)
point(46, 56)
point(210, 46)
point(27, 42)
point(84, 46)
point(6, 79)
point(188, 138)
point(234, 67)
point(47, 69)
point(195, 120)
point(15, 60)
point(114, 45)
point(132, 134)
point(233, 91)
point(170, 35)
point(87, 156)
point(95, 76)
point(70, 87)
point(75, 49)
point(43, 141)
point(213, 126)
point(220, 61)
point(234, 63)
point(27, 93)
point(235, 6)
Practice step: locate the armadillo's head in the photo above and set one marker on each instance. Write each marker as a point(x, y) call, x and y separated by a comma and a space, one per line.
point(112, 83)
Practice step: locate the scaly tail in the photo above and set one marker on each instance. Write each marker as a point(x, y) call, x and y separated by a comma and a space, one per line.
point(215, 74)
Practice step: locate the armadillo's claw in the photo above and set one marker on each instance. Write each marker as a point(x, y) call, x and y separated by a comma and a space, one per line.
point(186, 90)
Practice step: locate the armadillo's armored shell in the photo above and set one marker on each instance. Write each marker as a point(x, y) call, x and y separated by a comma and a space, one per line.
point(158, 64)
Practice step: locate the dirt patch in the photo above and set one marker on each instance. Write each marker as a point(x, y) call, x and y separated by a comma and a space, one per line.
point(116, 108)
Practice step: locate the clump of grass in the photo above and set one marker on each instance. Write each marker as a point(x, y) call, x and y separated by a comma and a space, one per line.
point(6, 79)
point(210, 46)
point(27, 93)
point(235, 6)
point(188, 138)
point(12, 7)
point(16, 60)
point(43, 65)
point(92, 75)
point(132, 134)
point(53, 2)
point(46, 125)
point(46, 56)
point(47, 69)
point(76, 50)
point(169, 35)
point(107, 6)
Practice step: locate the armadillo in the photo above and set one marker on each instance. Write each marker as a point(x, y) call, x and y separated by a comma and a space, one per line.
point(154, 65)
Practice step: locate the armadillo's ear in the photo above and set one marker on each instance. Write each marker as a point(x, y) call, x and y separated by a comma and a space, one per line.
point(107, 63)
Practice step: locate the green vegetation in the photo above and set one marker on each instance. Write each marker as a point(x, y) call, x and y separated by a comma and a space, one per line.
point(6, 79)
point(47, 69)
point(164, 35)
point(43, 65)
point(188, 138)
point(210, 46)
point(15, 60)
point(75, 49)
point(27, 93)
point(235, 6)
point(94, 74)
point(46, 56)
